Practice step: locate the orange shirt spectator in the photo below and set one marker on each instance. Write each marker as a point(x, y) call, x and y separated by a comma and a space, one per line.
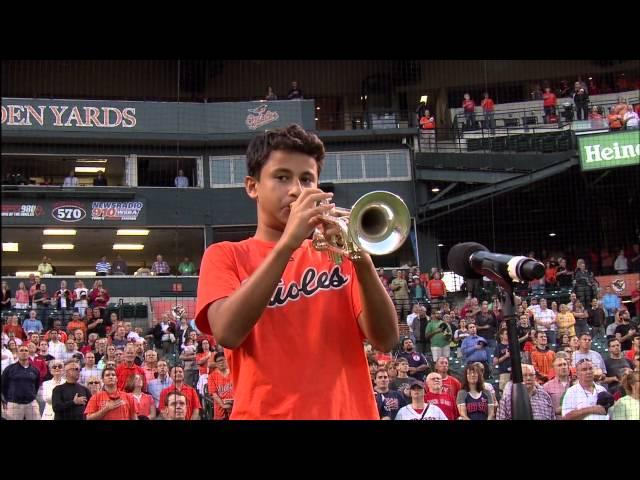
point(549, 99)
point(75, 324)
point(193, 400)
point(615, 121)
point(123, 412)
point(427, 123)
point(436, 288)
point(222, 385)
point(487, 105)
point(123, 371)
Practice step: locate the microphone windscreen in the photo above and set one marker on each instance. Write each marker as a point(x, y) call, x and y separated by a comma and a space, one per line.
point(458, 258)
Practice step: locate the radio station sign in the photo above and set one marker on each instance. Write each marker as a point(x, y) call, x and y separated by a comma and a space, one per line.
point(609, 150)
point(73, 212)
point(97, 118)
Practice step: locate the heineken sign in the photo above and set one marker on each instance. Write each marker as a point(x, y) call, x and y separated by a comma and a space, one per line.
point(610, 150)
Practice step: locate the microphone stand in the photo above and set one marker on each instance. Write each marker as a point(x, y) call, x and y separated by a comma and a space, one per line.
point(520, 402)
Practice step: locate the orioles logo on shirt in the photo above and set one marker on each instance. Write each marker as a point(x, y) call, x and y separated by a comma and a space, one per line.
point(312, 283)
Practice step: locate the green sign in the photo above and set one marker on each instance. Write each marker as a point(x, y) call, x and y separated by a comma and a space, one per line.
point(610, 150)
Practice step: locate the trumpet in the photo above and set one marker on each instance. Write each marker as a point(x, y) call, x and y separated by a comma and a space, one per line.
point(378, 224)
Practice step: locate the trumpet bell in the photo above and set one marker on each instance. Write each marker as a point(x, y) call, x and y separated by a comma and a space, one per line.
point(379, 222)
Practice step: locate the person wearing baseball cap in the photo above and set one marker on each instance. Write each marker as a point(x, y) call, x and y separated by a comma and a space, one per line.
point(418, 410)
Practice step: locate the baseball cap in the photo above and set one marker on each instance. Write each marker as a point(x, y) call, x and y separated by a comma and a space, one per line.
point(417, 383)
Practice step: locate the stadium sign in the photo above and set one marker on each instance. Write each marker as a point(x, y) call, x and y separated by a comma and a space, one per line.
point(609, 150)
point(68, 116)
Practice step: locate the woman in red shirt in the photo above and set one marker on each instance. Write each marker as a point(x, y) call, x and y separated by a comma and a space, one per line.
point(469, 107)
point(549, 103)
point(144, 403)
point(203, 354)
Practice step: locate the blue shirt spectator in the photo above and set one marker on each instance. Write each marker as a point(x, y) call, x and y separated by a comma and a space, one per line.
point(611, 302)
point(181, 181)
point(103, 267)
point(32, 324)
point(470, 346)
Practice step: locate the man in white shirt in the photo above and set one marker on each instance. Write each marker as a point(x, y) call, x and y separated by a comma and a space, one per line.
point(585, 352)
point(545, 319)
point(181, 181)
point(56, 347)
point(71, 180)
point(412, 316)
point(580, 402)
point(416, 411)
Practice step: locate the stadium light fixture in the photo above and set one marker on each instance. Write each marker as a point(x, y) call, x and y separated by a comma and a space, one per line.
point(128, 246)
point(59, 231)
point(552, 234)
point(10, 247)
point(90, 169)
point(131, 232)
point(58, 246)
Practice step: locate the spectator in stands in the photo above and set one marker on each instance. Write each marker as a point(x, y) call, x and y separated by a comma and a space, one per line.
point(624, 330)
point(631, 119)
point(94, 384)
point(163, 380)
point(144, 404)
point(188, 357)
point(75, 323)
point(502, 359)
point(270, 95)
point(14, 327)
point(542, 358)
point(450, 384)
point(45, 267)
point(100, 180)
point(181, 181)
point(402, 381)
point(584, 283)
point(119, 339)
point(419, 409)
point(47, 182)
point(56, 347)
point(418, 364)
point(400, 290)
point(558, 385)
point(580, 401)
point(111, 403)
point(474, 402)
point(469, 107)
point(20, 385)
point(595, 113)
point(418, 329)
point(5, 304)
point(488, 109)
point(474, 347)
point(615, 119)
point(119, 266)
point(427, 130)
point(564, 274)
point(439, 334)
point(41, 302)
point(103, 267)
point(98, 296)
point(176, 406)
point(628, 407)
point(32, 324)
point(596, 317)
point(615, 363)
point(44, 356)
point(56, 369)
point(186, 267)
point(220, 387)
point(540, 401)
point(549, 104)
point(150, 365)
point(203, 354)
point(193, 400)
point(611, 303)
point(71, 351)
point(295, 93)
point(70, 399)
point(565, 321)
point(98, 324)
point(71, 180)
point(585, 352)
point(435, 395)
point(388, 402)
point(581, 101)
point(545, 321)
point(128, 367)
point(581, 317)
point(90, 368)
point(437, 291)
point(164, 333)
point(160, 267)
point(487, 326)
point(22, 297)
point(621, 265)
point(460, 334)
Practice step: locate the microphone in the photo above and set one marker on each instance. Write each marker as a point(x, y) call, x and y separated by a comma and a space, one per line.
point(472, 260)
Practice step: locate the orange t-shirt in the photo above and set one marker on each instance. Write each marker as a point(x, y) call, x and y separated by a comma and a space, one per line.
point(100, 399)
point(73, 326)
point(436, 288)
point(204, 368)
point(193, 400)
point(123, 372)
point(304, 358)
point(143, 406)
point(221, 386)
